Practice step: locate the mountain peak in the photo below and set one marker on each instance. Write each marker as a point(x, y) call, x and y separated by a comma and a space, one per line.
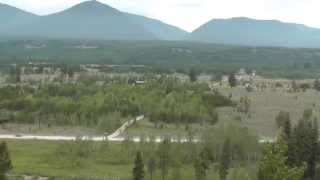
point(93, 6)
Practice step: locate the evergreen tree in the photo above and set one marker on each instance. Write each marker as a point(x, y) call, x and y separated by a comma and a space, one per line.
point(225, 160)
point(307, 114)
point(201, 165)
point(273, 163)
point(5, 161)
point(138, 170)
point(193, 75)
point(152, 167)
point(283, 121)
point(164, 158)
point(305, 146)
point(316, 85)
point(232, 80)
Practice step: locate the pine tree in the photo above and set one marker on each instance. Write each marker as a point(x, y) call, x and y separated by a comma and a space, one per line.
point(164, 158)
point(225, 160)
point(152, 167)
point(287, 129)
point(305, 145)
point(317, 85)
point(193, 75)
point(138, 170)
point(232, 80)
point(5, 161)
point(273, 163)
point(201, 165)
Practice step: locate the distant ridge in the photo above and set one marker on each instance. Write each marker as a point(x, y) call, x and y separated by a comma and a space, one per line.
point(251, 32)
point(98, 21)
point(90, 20)
point(11, 16)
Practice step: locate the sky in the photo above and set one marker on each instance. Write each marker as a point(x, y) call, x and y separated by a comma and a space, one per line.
point(190, 14)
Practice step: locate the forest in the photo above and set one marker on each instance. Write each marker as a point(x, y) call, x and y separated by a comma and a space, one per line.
point(165, 56)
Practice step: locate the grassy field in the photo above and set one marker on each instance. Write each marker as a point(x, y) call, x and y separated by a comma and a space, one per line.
point(147, 128)
point(264, 108)
point(40, 158)
point(267, 104)
point(14, 128)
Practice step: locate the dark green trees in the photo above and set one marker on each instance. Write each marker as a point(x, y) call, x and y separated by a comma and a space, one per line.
point(164, 158)
point(305, 146)
point(316, 85)
point(283, 122)
point(193, 75)
point(225, 160)
point(302, 142)
point(5, 162)
point(138, 170)
point(232, 80)
point(273, 164)
point(201, 165)
point(152, 165)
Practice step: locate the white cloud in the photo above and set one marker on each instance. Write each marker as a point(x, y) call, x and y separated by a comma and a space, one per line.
point(190, 14)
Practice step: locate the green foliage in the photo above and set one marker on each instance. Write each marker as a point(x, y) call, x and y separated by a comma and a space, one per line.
point(242, 173)
point(165, 157)
point(225, 160)
point(201, 165)
point(152, 165)
point(138, 170)
point(5, 161)
point(316, 85)
point(162, 57)
point(244, 144)
point(76, 152)
point(283, 122)
point(273, 164)
point(192, 75)
point(109, 122)
point(305, 145)
point(106, 107)
point(232, 80)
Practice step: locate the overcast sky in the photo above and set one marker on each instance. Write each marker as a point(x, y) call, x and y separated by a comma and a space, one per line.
point(190, 14)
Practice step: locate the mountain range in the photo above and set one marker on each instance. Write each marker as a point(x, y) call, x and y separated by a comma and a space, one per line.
point(251, 32)
point(87, 20)
point(95, 20)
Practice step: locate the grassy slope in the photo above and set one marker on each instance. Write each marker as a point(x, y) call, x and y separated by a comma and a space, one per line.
point(147, 128)
point(266, 105)
point(37, 158)
point(264, 108)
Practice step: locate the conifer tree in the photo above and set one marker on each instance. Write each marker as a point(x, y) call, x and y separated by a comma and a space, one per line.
point(138, 170)
point(5, 161)
point(164, 158)
point(201, 165)
point(305, 145)
point(152, 167)
point(225, 160)
point(232, 80)
point(273, 164)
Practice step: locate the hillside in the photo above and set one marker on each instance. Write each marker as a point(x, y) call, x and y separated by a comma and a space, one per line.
point(219, 58)
point(87, 20)
point(162, 30)
point(245, 31)
point(11, 17)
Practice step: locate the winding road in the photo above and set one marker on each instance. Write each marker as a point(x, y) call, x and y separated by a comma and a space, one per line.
point(114, 137)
